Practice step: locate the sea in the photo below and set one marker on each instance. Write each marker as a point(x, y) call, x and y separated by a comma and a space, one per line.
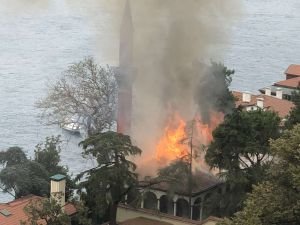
point(40, 38)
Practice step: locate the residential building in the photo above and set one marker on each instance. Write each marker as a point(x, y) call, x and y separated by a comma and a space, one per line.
point(250, 101)
point(12, 213)
point(287, 86)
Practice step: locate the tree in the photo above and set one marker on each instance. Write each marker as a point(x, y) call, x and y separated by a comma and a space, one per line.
point(22, 176)
point(86, 92)
point(13, 156)
point(276, 200)
point(107, 184)
point(45, 211)
point(219, 98)
point(47, 154)
point(294, 116)
point(240, 150)
point(25, 178)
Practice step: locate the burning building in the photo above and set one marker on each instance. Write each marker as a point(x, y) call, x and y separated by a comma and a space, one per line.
point(165, 100)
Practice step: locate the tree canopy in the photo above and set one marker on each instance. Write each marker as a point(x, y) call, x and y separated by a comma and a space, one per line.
point(294, 116)
point(22, 176)
point(212, 93)
point(85, 94)
point(107, 184)
point(276, 200)
point(45, 211)
point(240, 150)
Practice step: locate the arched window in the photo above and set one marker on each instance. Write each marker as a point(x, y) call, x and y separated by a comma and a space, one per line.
point(182, 208)
point(166, 205)
point(150, 200)
point(197, 208)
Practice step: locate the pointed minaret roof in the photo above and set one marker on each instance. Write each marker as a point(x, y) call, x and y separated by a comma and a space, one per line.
point(126, 37)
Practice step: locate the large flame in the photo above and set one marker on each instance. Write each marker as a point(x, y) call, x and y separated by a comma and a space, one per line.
point(176, 140)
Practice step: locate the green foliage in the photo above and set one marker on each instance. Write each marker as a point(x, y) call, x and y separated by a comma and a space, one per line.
point(214, 86)
point(225, 103)
point(47, 154)
point(25, 178)
point(276, 201)
point(82, 215)
point(108, 183)
point(45, 211)
point(294, 116)
point(21, 176)
point(13, 156)
point(240, 149)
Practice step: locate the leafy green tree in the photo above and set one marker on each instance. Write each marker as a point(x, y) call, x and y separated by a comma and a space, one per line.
point(240, 150)
point(12, 156)
point(220, 97)
point(47, 154)
point(276, 200)
point(45, 211)
point(25, 178)
point(107, 184)
point(294, 116)
point(22, 176)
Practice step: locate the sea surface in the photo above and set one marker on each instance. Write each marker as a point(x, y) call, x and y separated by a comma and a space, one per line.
point(40, 38)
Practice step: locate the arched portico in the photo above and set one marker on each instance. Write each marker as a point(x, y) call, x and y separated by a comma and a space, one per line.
point(150, 200)
point(182, 208)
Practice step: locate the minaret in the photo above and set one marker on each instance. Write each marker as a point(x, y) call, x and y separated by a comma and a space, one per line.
point(124, 75)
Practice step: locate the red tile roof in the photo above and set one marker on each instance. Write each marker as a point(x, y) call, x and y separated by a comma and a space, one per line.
point(289, 83)
point(16, 208)
point(281, 106)
point(293, 69)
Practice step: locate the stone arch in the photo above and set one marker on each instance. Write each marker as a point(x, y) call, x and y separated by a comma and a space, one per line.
point(133, 198)
point(206, 203)
point(182, 208)
point(166, 205)
point(197, 208)
point(150, 200)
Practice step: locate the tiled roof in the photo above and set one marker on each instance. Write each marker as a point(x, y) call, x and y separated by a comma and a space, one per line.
point(202, 182)
point(16, 208)
point(289, 83)
point(293, 69)
point(281, 106)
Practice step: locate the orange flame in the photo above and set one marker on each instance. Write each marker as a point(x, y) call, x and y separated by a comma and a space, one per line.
point(171, 146)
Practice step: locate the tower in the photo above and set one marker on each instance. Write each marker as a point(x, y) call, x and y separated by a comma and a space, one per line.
point(124, 73)
point(58, 186)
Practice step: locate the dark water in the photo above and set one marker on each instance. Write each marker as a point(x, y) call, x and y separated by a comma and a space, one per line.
point(39, 39)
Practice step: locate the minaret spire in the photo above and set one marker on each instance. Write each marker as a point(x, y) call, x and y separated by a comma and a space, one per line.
point(124, 76)
point(126, 37)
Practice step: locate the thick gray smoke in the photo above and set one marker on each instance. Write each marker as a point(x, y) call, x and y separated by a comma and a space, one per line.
point(171, 38)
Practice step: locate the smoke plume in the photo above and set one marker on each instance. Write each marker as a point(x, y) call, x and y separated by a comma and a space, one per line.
point(171, 38)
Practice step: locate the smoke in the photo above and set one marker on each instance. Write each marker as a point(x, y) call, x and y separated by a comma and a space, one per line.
point(171, 38)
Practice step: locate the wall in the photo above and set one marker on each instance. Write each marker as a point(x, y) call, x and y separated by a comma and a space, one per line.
point(124, 213)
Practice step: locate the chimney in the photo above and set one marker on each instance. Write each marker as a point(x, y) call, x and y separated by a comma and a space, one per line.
point(260, 102)
point(246, 97)
point(279, 93)
point(58, 189)
point(268, 91)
